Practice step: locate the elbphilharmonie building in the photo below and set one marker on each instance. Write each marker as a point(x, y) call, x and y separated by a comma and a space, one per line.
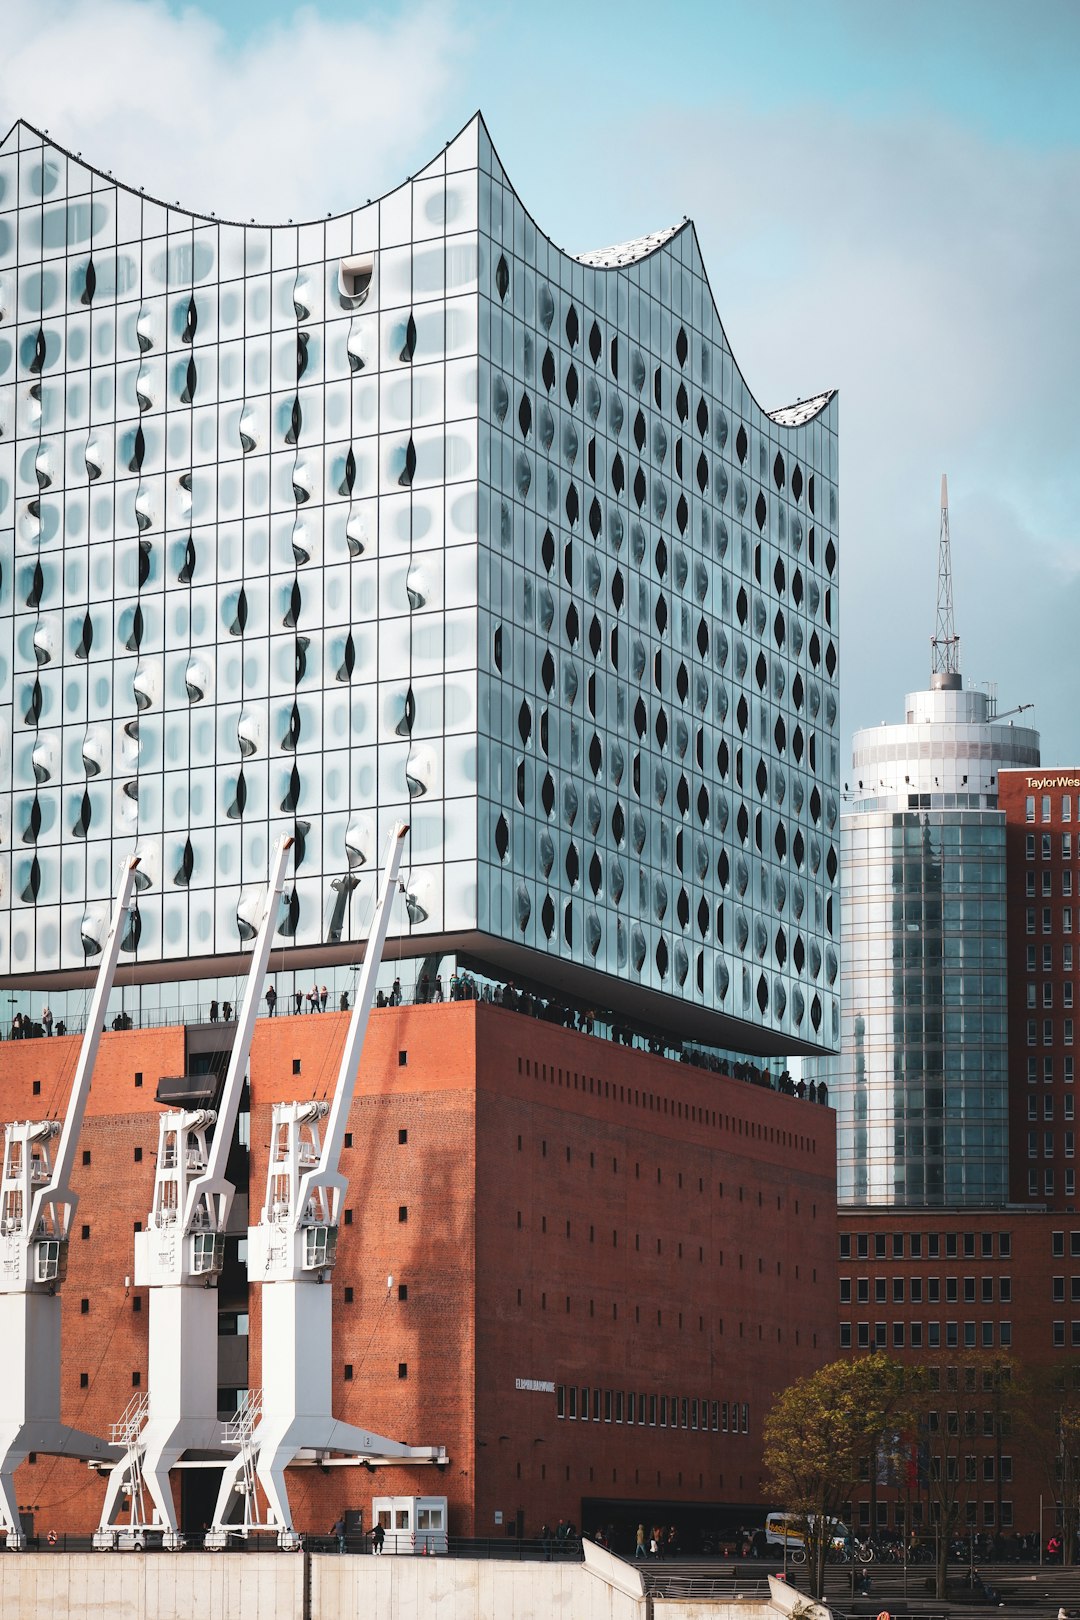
point(410, 514)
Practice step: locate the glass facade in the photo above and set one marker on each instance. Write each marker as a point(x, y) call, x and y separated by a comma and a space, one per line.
point(409, 514)
point(921, 1081)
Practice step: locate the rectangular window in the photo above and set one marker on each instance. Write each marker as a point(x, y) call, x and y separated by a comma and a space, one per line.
point(1005, 1290)
point(1046, 843)
point(1045, 807)
point(845, 1335)
point(571, 1411)
point(916, 1335)
point(916, 1290)
point(1029, 807)
point(652, 1411)
point(1029, 846)
point(898, 1335)
point(950, 1246)
point(988, 1335)
point(1057, 1330)
point(915, 1245)
point(933, 1335)
point(1029, 920)
point(933, 1246)
point(933, 1289)
point(845, 1290)
point(864, 1335)
point(898, 1290)
point(862, 1290)
point(880, 1287)
point(952, 1335)
point(1005, 1334)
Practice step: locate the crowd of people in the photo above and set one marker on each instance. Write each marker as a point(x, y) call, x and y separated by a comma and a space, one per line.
point(464, 986)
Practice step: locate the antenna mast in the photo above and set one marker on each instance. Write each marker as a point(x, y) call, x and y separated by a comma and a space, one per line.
point(945, 643)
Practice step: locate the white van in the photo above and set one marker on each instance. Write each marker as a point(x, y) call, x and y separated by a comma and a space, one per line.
point(789, 1530)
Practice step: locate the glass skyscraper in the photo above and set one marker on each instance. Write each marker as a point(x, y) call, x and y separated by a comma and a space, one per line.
point(921, 1082)
point(410, 514)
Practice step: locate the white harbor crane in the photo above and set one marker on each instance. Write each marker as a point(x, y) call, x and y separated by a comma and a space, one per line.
point(37, 1206)
point(179, 1257)
point(291, 1254)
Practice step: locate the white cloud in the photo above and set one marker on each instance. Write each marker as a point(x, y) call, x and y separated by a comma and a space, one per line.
point(308, 116)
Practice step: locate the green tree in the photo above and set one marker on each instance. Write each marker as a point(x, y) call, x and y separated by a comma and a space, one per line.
point(817, 1434)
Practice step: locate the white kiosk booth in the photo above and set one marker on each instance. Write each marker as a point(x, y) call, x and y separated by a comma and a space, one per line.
point(413, 1524)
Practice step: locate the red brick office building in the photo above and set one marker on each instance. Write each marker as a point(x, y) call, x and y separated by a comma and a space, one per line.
point(583, 1269)
point(1042, 813)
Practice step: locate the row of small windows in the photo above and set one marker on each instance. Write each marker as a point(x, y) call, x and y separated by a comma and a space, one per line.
point(971, 1514)
point(911, 1333)
point(1045, 806)
point(912, 1288)
point(1048, 1068)
point(1068, 1144)
point(1068, 1105)
point(1046, 887)
point(1046, 846)
point(676, 1109)
point(584, 1404)
point(1047, 997)
point(893, 1245)
point(1049, 1037)
point(914, 1245)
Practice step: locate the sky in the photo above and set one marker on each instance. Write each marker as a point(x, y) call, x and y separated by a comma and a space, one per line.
point(887, 197)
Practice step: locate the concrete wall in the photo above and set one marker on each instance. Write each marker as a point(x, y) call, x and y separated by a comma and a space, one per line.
point(463, 1589)
point(154, 1586)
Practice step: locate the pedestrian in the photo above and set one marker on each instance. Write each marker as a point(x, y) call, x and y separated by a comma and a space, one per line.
point(298, 1002)
point(271, 1002)
point(324, 996)
point(378, 1536)
point(654, 1546)
point(313, 999)
point(639, 1542)
point(545, 1541)
point(343, 1002)
point(16, 1027)
point(338, 1530)
point(422, 990)
point(213, 1012)
point(437, 992)
point(226, 1011)
point(395, 993)
point(47, 1020)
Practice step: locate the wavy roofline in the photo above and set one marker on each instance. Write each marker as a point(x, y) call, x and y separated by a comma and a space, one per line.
point(664, 238)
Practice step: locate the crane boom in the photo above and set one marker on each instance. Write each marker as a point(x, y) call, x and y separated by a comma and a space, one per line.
point(326, 1172)
point(57, 1192)
point(178, 1256)
point(293, 1247)
point(210, 1189)
point(36, 1209)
